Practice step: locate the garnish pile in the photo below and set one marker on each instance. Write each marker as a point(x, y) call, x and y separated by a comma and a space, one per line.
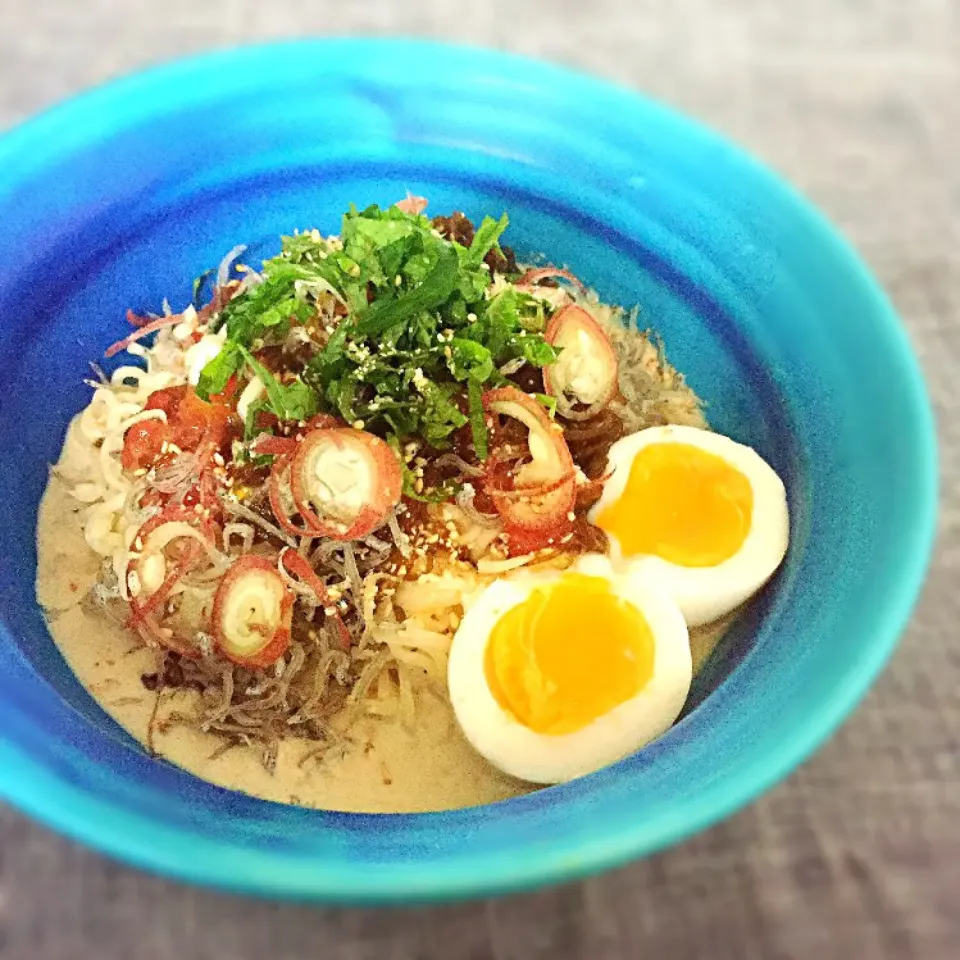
point(335, 404)
point(399, 333)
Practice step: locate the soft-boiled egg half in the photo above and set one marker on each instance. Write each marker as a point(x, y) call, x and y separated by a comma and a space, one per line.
point(697, 513)
point(555, 675)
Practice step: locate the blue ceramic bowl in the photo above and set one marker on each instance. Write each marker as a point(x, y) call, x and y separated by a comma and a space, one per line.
point(122, 196)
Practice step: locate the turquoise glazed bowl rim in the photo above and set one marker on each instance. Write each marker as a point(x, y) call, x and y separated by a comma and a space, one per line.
point(265, 871)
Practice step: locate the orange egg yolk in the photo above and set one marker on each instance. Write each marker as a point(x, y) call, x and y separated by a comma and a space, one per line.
point(569, 653)
point(690, 507)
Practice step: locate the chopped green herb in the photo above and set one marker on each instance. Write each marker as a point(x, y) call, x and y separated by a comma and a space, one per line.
point(537, 351)
point(485, 239)
point(433, 291)
point(478, 425)
point(444, 491)
point(469, 360)
point(214, 376)
point(549, 402)
point(289, 401)
point(250, 421)
point(441, 416)
point(404, 328)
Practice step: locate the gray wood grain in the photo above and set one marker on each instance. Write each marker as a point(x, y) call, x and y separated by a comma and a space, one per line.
point(858, 854)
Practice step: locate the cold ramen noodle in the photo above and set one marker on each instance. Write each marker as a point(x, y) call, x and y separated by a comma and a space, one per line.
point(395, 524)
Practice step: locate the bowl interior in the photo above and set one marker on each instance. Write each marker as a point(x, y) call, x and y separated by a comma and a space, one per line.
point(121, 198)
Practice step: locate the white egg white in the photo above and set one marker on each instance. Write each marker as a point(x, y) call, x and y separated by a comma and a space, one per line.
point(545, 758)
point(705, 594)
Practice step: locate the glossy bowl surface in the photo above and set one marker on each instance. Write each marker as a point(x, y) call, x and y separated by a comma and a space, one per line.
point(121, 197)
